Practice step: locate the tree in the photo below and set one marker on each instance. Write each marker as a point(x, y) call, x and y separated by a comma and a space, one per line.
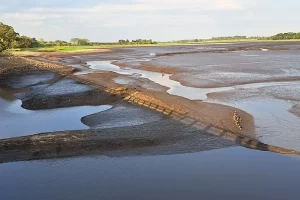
point(75, 41)
point(42, 42)
point(83, 42)
point(80, 41)
point(22, 42)
point(25, 42)
point(34, 43)
point(7, 36)
point(60, 43)
point(285, 36)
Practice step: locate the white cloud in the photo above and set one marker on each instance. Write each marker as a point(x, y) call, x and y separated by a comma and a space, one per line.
point(140, 12)
point(24, 16)
point(184, 18)
point(193, 4)
point(155, 5)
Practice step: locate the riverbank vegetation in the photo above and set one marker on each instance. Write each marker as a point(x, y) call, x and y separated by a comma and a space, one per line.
point(14, 42)
point(290, 36)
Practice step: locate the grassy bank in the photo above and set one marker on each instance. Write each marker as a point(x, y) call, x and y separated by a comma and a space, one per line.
point(225, 41)
point(26, 51)
point(54, 49)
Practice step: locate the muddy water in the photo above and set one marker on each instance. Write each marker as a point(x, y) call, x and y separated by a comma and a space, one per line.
point(232, 173)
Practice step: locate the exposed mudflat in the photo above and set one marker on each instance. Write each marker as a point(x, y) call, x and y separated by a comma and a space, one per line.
point(203, 70)
point(229, 74)
point(42, 101)
point(163, 119)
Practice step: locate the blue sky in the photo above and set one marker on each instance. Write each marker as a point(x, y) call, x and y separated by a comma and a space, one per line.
point(161, 20)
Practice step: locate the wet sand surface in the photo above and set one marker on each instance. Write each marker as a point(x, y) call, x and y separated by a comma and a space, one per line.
point(105, 148)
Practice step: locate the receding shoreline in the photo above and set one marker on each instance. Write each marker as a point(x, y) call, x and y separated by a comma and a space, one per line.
point(213, 119)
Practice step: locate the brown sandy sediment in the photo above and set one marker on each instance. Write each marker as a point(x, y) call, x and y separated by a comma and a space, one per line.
point(164, 70)
point(9, 64)
point(199, 113)
point(105, 79)
point(54, 55)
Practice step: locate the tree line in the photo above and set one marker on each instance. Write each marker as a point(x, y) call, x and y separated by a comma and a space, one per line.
point(238, 37)
point(138, 41)
point(286, 36)
point(9, 38)
point(279, 36)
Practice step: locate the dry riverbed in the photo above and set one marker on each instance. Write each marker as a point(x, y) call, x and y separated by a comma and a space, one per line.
point(160, 123)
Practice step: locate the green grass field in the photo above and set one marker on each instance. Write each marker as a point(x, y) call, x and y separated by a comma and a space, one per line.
point(55, 48)
point(90, 48)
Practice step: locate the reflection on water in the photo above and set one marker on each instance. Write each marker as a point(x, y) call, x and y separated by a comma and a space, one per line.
point(232, 173)
point(17, 121)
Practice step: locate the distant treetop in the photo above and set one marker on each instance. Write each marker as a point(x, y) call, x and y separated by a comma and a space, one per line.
point(11, 39)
